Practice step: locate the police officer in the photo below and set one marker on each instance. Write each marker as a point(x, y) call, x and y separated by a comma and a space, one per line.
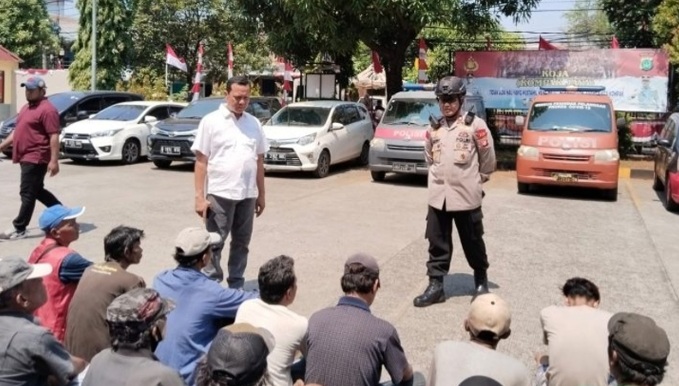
point(459, 152)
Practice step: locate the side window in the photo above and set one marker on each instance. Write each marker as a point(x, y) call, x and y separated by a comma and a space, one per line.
point(275, 106)
point(671, 134)
point(159, 112)
point(175, 109)
point(351, 115)
point(362, 112)
point(112, 100)
point(88, 106)
point(338, 115)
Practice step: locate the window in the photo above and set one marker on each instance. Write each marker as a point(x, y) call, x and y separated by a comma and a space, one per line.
point(339, 115)
point(120, 113)
point(275, 106)
point(351, 114)
point(301, 116)
point(363, 112)
point(570, 116)
point(111, 100)
point(160, 113)
point(411, 112)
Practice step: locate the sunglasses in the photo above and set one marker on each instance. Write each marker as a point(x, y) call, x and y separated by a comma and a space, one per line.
point(447, 99)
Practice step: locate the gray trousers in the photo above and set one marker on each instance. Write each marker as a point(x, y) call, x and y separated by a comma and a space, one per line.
point(235, 217)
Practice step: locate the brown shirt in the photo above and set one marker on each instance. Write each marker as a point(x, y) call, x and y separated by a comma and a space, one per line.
point(36, 122)
point(87, 331)
point(460, 159)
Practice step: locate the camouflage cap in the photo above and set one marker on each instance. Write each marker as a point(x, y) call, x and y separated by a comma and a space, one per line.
point(141, 305)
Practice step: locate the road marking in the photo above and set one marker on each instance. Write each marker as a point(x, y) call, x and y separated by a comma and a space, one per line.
point(637, 206)
point(624, 173)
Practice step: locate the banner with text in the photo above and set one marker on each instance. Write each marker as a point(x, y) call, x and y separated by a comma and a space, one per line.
point(635, 79)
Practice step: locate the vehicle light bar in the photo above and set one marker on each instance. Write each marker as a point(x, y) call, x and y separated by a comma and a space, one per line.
point(573, 88)
point(418, 87)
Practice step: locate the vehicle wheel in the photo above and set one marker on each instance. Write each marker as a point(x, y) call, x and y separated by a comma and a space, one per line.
point(657, 184)
point(78, 161)
point(364, 158)
point(162, 164)
point(378, 176)
point(323, 168)
point(131, 151)
point(611, 194)
point(670, 205)
point(523, 187)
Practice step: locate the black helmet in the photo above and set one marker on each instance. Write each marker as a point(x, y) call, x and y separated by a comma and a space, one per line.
point(450, 86)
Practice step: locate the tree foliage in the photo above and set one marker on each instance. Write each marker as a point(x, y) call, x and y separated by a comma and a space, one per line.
point(26, 30)
point(588, 25)
point(666, 27)
point(632, 21)
point(299, 29)
point(184, 24)
point(114, 19)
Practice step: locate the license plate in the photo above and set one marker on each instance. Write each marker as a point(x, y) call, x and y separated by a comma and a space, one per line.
point(276, 156)
point(73, 143)
point(403, 167)
point(564, 177)
point(171, 150)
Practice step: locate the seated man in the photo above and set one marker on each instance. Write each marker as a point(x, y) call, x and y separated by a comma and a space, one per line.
point(61, 229)
point(577, 336)
point(203, 306)
point(348, 345)
point(637, 350)
point(277, 289)
point(86, 329)
point(488, 322)
point(29, 354)
point(136, 320)
point(237, 356)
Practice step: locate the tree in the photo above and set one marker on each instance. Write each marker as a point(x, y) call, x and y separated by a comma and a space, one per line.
point(184, 24)
point(299, 29)
point(588, 25)
point(632, 21)
point(114, 19)
point(666, 27)
point(26, 30)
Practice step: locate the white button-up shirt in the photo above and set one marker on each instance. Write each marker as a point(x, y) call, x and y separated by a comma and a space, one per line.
point(231, 146)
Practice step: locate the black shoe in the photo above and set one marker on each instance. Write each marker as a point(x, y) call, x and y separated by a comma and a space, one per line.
point(480, 283)
point(432, 295)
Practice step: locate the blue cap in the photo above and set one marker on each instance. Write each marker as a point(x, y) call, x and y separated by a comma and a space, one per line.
point(34, 82)
point(54, 215)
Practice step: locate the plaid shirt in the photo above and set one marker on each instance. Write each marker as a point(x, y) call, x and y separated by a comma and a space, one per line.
point(347, 345)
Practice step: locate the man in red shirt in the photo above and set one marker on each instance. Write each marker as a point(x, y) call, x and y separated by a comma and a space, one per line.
point(36, 148)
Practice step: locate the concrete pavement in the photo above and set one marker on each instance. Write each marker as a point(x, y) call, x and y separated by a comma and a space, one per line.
point(535, 243)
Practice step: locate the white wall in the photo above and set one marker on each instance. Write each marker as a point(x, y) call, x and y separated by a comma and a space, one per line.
point(56, 80)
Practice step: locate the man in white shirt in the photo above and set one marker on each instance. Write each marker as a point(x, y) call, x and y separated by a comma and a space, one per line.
point(477, 362)
point(278, 288)
point(230, 147)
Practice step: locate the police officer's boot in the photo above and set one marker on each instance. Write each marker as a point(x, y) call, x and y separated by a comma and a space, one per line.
point(433, 294)
point(480, 283)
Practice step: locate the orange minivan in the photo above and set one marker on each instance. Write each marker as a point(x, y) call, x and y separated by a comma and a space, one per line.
point(569, 138)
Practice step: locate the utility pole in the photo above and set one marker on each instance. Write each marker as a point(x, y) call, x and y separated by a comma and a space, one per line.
point(94, 45)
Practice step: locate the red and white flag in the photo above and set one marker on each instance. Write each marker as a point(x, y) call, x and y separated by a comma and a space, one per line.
point(230, 58)
point(544, 44)
point(173, 60)
point(199, 69)
point(377, 66)
point(422, 63)
point(287, 77)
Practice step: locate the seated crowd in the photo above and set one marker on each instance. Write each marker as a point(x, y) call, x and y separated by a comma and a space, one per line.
point(67, 321)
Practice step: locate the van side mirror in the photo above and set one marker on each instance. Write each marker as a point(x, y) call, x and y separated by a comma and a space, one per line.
point(150, 119)
point(91, 116)
point(519, 120)
point(664, 143)
point(620, 123)
point(82, 115)
point(336, 126)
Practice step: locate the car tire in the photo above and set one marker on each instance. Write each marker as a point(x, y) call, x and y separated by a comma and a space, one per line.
point(131, 151)
point(523, 188)
point(323, 164)
point(611, 194)
point(670, 205)
point(162, 164)
point(378, 176)
point(364, 158)
point(657, 184)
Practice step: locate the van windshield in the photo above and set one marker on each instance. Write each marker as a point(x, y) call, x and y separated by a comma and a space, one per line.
point(300, 116)
point(411, 112)
point(200, 108)
point(570, 116)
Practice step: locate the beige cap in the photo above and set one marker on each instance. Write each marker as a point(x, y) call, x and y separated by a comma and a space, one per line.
point(489, 312)
point(193, 241)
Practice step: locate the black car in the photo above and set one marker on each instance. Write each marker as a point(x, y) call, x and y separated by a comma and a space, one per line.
point(74, 106)
point(172, 138)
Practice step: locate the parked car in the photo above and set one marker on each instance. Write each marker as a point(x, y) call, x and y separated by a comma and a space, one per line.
point(74, 106)
point(666, 163)
point(398, 146)
point(312, 136)
point(115, 133)
point(172, 138)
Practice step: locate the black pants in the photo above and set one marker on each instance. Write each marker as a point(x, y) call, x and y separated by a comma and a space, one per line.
point(440, 235)
point(32, 188)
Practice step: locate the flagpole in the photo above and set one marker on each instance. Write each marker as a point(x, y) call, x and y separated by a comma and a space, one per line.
point(169, 92)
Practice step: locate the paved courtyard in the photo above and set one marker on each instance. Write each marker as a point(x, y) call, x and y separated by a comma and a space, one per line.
point(535, 243)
